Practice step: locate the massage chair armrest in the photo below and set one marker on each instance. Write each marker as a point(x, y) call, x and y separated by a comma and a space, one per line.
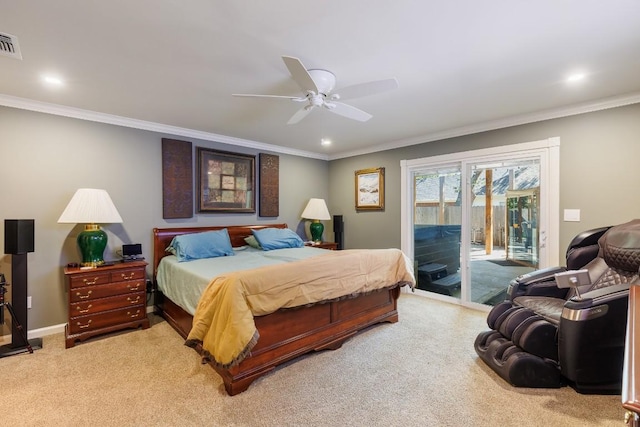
point(600, 296)
point(539, 283)
point(591, 337)
point(546, 289)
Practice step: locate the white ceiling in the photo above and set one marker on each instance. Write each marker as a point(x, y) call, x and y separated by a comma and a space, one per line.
point(462, 66)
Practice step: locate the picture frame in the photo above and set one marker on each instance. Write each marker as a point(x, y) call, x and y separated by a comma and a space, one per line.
point(226, 181)
point(369, 188)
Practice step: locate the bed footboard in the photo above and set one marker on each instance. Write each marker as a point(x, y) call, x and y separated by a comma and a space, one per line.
point(290, 333)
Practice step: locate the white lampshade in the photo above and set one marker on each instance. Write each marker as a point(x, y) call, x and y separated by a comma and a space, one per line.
point(316, 209)
point(90, 206)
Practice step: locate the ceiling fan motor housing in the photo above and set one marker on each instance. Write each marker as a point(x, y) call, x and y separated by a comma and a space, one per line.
point(324, 80)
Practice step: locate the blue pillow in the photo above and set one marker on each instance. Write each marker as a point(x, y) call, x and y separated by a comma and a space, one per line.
point(277, 238)
point(208, 244)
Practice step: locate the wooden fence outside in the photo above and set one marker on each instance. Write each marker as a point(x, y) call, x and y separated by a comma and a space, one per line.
point(453, 215)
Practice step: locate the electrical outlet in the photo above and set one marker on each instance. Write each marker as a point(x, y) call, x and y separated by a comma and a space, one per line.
point(28, 302)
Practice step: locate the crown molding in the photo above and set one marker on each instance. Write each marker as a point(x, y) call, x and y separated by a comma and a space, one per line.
point(77, 113)
point(556, 113)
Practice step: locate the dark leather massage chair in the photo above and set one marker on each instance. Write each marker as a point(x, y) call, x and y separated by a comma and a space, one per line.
point(568, 329)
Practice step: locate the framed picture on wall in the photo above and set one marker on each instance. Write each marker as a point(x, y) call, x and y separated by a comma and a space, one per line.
point(226, 181)
point(370, 189)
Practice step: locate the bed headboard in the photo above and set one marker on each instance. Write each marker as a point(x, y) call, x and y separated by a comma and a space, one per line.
point(163, 236)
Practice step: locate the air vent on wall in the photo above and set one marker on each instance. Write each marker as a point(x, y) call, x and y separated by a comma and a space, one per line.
point(9, 46)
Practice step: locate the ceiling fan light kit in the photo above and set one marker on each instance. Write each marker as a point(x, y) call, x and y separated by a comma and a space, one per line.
point(318, 85)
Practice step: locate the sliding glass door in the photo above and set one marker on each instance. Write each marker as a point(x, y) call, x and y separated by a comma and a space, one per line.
point(437, 222)
point(473, 221)
point(503, 212)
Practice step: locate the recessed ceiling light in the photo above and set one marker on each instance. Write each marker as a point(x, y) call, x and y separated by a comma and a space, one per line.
point(52, 80)
point(325, 142)
point(576, 77)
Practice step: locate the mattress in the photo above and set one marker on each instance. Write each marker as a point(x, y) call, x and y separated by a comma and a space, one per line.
point(184, 282)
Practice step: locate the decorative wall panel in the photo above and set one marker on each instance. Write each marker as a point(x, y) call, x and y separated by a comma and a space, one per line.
point(269, 185)
point(177, 179)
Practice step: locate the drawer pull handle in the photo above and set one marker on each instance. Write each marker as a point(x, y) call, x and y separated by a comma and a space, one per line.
point(128, 276)
point(90, 282)
point(134, 289)
point(79, 295)
point(86, 310)
point(84, 326)
point(134, 315)
point(133, 301)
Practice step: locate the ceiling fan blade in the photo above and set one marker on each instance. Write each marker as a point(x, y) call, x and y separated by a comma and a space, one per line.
point(295, 98)
point(300, 74)
point(348, 111)
point(369, 88)
point(300, 114)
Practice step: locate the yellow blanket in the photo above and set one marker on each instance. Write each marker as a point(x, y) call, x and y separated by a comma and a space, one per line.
point(223, 321)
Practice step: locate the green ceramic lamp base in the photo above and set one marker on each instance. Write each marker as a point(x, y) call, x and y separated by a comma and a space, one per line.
point(316, 228)
point(92, 242)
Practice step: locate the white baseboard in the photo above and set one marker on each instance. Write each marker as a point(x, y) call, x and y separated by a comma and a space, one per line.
point(38, 333)
point(43, 332)
point(49, 330)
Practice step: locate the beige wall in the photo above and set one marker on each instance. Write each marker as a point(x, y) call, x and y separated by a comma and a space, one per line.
point(599, 158)
point(45, 158)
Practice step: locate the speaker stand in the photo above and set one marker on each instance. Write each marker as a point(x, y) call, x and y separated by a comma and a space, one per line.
point(25, 345)
point(19, 342)
point(7, 350)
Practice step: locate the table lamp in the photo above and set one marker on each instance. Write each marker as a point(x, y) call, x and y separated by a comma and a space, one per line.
point(91, 206)
point(316, 211)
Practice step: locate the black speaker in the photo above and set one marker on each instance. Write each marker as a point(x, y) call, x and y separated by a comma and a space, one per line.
point(338, 230)
point(338, 224)
point(18, 236)
point(18, 240)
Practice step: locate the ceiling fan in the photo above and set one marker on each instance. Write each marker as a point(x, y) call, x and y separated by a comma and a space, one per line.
point(318, 84)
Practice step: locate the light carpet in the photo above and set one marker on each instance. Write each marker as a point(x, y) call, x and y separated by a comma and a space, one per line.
point(421, 371)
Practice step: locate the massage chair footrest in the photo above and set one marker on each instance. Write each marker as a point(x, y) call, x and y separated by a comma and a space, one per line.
point(517, 367)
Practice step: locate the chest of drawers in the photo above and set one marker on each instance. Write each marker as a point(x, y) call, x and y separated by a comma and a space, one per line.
point(105, 299)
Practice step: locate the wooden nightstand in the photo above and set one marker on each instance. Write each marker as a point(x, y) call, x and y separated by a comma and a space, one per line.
point(105, 299)
point(324, 245)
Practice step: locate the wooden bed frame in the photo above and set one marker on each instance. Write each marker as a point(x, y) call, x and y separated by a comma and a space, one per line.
point(287, 333)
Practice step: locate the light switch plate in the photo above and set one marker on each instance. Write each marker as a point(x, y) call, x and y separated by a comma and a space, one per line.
point(572, 215)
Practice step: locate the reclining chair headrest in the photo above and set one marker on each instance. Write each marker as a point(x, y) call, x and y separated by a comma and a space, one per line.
point(587, 238)
point(584, 248)
point(620, 246)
